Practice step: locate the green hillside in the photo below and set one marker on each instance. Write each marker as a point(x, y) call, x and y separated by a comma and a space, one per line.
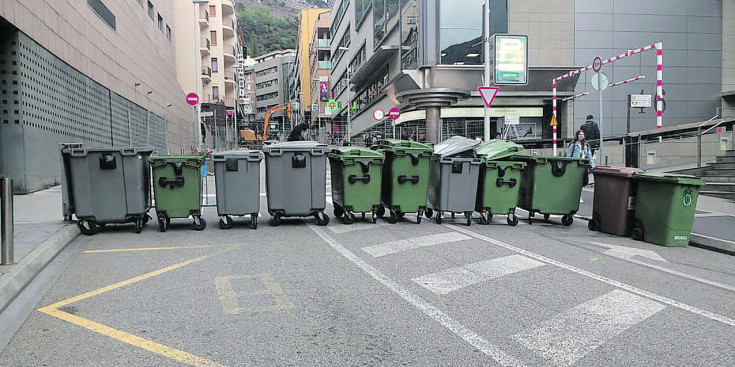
point(265, 32)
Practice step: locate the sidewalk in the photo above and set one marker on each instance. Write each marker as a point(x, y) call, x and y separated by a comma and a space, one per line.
point(40, 234)
point(713, 222)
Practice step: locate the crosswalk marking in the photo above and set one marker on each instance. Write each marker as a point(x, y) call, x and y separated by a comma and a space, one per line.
point(453, 279)
point(393, 247)
point(572, 334)
point(357, 226)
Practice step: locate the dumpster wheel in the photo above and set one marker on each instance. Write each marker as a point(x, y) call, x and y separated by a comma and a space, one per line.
point(348, 218)
point(418, 216)
point(637, 233)
point(381, 211)
point(592, 225)
point(322, 219)
point(338, 211)
point(162, 224)
point(199, 223)
point(546, 217)
point(429, 213)
point(275, 220)
point(374, 217)
point(88, 228)
point(225, 222)
point(567, 220)
point(139, 225)
point(439, 217)
point(485, 217)
point(512, 220)
point(254, 221)
point(393, 217)
point(468, 216)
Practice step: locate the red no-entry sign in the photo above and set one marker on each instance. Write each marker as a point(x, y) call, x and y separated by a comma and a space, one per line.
point(192, 99)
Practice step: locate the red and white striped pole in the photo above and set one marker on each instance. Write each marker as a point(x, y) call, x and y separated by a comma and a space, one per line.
point(659, 84)
point(553, 119)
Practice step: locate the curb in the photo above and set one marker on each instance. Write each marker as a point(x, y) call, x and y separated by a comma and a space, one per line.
point(712, 243)
point(22, 273)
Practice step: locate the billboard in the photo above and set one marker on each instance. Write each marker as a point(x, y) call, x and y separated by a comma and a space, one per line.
point(511, 59)
point(324, 91)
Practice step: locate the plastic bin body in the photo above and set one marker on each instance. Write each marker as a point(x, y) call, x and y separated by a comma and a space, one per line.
point(177, 185)
point(665, 207)
point(405, 174)
point(237, 180)
point(106, 185)
point(498, 186)
point(614, 201)
point(453, 183)
point(296, 178)
point(551, 185)
point(356, 178)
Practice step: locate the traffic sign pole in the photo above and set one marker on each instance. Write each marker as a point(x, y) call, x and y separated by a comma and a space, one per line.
point(486, 25)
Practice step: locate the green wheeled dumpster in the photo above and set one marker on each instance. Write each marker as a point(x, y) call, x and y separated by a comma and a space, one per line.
point(551, 186)
point(356, 180)
point(177, 189)
point(499, 180)
point(613, 206)
point(237, 179)
point(665, 206)
point(296, 180)
point(453, 176)
point(105, 185)
point(405, 178)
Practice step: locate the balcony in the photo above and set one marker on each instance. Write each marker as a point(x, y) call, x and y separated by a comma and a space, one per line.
point(229, 52)
point(230, 79)
point(228, 27)
point(203, 18)
point(323, 43)
point(204, 46)
point(228, 6)
point(325, 65)
point(207, 73)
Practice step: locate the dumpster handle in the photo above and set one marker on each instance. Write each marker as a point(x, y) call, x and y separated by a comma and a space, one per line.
point(403, 179)
point(414, 159)
point(500, 182)
point(354, 178)
point(108, 161)
point(178, 181)
point(178, 168)
point(558, 168)
point(365, 166)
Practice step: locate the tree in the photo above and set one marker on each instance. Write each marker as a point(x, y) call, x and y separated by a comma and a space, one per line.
point(265, 32)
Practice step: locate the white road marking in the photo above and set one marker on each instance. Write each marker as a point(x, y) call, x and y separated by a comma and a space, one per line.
point(357, 226)
point(453, 279)
point(427, 308)
point(589, 274)
point(572, 334)
point(626, 253)
point(393, 247)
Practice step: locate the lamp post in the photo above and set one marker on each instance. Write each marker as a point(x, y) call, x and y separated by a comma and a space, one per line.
point(349, 101)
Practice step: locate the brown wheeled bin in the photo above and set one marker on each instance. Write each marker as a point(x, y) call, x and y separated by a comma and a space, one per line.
point(613, 207)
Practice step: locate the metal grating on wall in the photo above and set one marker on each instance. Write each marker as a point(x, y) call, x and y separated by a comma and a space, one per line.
point(157, 133)
point(120, 120)
point(138, 125)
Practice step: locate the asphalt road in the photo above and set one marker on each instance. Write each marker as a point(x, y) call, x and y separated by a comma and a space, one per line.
point(380, 294)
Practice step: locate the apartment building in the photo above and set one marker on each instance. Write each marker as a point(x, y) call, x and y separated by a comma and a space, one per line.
point(207, 53)
point(273, 78)
point(320, 68)
point(300, 89)
point(99, 72)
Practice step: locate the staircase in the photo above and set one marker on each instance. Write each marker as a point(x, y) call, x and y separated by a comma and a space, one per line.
point(720, 177)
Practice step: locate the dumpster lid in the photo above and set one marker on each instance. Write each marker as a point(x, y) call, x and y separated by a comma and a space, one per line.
point(176, 158)
point(242, 154)
point(531, 158)
point(296, 145)
point(498, 149)
point(616, 171)
point(393, 144)
point(124, 150)
point(455, 145)
point(669, 177)
point(355, 152)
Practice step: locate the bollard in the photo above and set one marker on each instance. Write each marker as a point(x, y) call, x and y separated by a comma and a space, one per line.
point(6, 220)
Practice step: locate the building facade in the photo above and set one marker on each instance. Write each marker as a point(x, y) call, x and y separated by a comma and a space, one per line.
point(320, 67)
point(273, 78)
point(206, 59)
point(425, 57)
point(99, 72)
point(300, 90)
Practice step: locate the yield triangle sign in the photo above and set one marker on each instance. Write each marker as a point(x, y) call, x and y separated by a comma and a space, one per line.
point(488, 94)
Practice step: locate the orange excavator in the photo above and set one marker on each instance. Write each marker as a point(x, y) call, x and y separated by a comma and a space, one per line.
point(249, 136)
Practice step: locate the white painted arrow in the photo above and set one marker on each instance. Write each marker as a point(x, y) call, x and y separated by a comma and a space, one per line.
point(626, 253)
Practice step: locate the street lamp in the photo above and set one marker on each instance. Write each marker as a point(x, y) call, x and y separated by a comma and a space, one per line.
point(349, 101)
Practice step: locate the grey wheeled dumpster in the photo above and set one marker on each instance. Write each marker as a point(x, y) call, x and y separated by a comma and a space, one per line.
point(105, 185)
point(453, 176)
point(237, 179)
point(296, 180)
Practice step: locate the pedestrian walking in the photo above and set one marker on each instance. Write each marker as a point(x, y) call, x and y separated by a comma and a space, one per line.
point(581, 149)
point(592, 133)
point(298, 133)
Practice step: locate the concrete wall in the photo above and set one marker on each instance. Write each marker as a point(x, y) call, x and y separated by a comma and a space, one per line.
point(550, 29)
point(691, 32)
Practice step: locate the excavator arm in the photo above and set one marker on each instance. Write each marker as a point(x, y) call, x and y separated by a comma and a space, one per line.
point(273, 110)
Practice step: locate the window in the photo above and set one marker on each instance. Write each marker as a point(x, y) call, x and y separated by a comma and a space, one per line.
point(168, 32)
point(160, 21)
point(215, 92)
point(103, 12)
point(460, 31)
point(264, 72)
point(338, 16)
point(384, 18)
point(264, 97)
point(213, 37)
point(212, 11)
point(150, 10)
point(361, 7)
point(343, 42)
point(409, 34)
point(267, 84)
point(214, 65)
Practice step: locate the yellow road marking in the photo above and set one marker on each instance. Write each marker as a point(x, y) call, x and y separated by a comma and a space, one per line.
point(228, 297)
point(131, 339)
point(149, 249)
point(160, 349)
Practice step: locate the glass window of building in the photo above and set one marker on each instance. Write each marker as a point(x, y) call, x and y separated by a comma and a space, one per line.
point(460, 29)
point(215, 92)
point(150, 10)
point(168, 32)
point(212, 11)
point(215, 66)
point(384, 17)
point(213, 38)
point(361, 7)
point(409, 34)
point(160, 22)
